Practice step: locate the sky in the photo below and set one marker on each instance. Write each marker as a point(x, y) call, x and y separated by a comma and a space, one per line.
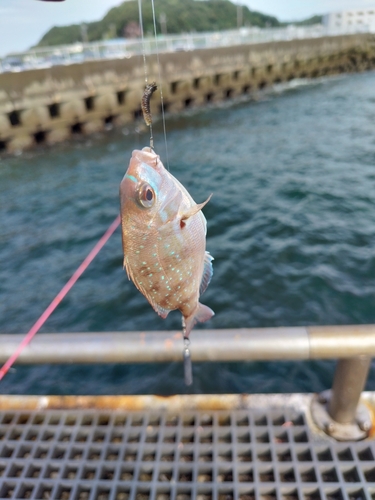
point(23, 22)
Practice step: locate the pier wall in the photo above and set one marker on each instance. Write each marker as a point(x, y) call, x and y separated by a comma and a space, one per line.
point(46, 106)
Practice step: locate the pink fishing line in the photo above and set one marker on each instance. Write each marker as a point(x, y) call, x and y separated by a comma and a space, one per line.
point(59, 297)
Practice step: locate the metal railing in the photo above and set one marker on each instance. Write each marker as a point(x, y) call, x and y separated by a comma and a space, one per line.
point(44, 57)
point(245, 344)
point(338, 412)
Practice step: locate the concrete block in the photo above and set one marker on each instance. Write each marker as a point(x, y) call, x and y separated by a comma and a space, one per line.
point(93, 126)
point(4, 126)
point(124, 118)
point(178, 88)
point(19, 143)
point(73, 111)
point(35, 118)
point(106, 104)
point(132, 100)
point(58, 135)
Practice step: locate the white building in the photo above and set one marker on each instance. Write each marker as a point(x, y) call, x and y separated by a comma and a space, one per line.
point(350, 21)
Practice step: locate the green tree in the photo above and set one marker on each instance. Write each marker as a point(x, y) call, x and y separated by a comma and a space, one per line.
point(182, 16)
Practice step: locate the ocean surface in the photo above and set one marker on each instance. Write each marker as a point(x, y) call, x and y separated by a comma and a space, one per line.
point(291, 226)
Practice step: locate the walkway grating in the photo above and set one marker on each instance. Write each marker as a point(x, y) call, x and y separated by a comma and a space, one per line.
point(244, 454)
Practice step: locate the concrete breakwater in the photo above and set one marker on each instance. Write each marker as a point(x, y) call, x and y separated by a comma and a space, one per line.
point(49, 105)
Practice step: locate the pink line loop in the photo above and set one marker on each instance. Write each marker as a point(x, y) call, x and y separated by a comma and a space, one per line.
point(59, 297)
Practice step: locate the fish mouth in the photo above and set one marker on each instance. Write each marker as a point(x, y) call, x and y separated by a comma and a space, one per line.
point(146, 155)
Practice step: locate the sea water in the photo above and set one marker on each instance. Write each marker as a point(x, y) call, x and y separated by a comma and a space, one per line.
point(291, 226)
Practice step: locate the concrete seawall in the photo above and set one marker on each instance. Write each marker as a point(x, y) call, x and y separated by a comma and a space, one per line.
point(50, 105)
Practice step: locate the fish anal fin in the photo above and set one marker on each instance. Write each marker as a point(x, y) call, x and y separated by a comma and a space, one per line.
point(207, 272)
point(194, 209)
point(160, 310)
point(201, 314)
point(127, 269)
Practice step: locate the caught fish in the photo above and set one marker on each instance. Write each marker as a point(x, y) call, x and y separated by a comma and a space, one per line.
point(164, 240)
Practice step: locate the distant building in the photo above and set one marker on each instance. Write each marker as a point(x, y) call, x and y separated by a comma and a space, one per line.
point(351, 21)
point(132, 30)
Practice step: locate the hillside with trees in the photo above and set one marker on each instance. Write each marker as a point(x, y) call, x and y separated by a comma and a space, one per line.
point(173, 16)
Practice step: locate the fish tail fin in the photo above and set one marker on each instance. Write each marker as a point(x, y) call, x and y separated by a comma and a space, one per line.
point(201, 314)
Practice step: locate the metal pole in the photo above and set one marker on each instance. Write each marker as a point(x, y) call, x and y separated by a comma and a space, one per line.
point(245, 344)
point(348, 384)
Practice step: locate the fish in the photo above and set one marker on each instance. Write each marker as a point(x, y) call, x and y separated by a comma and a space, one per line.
point(164, 240)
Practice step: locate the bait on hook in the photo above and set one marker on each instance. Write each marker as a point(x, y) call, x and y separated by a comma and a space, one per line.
point(145, 103)
point(146, 110)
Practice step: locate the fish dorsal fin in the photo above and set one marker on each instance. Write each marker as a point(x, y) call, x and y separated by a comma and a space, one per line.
point(207, 272)
point(194, 209)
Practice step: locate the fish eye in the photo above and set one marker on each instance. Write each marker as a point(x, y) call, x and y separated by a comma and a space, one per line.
point(146, 195)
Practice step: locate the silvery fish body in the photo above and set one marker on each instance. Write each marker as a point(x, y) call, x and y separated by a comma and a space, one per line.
point(164, 240)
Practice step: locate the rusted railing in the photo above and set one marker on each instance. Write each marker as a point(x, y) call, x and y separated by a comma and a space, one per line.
point(244, 344)
point(337, 412)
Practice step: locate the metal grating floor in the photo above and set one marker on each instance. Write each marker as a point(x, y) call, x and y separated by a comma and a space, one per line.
point(204, 455)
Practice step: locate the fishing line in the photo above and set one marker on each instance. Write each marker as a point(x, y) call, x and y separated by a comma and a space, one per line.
point(59, 297)
point(186, 356)
point(143, 39)
point(160, 83)
point(145, 105)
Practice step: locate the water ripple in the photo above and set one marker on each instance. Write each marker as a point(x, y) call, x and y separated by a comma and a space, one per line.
point(291, 227)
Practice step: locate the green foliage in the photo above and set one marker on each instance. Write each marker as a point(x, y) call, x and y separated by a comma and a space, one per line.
point(61, 35)
point(182, 16)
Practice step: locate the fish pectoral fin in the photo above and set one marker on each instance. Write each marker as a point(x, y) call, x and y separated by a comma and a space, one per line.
point(195, 209)
point(207, 272)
